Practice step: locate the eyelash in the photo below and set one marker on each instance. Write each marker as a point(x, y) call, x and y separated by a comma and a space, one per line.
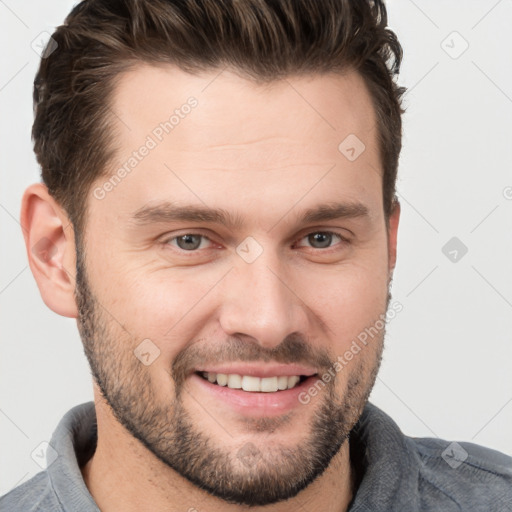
point(343, 241)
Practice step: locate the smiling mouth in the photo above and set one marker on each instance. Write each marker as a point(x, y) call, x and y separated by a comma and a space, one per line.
point(254, 384)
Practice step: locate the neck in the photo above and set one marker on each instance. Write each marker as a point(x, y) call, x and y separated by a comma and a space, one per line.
point(124, 475)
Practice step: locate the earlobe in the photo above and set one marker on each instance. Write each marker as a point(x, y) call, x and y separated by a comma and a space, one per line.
point(393, 222)
point(50, 245)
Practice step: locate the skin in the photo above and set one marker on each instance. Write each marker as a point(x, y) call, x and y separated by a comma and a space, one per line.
point(266, 154)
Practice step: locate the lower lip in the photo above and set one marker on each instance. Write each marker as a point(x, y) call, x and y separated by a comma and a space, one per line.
point(255, 404)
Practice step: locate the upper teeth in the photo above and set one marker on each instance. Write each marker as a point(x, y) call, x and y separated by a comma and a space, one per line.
point(250, 383)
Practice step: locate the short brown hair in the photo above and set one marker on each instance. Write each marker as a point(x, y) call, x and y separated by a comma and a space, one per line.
point(263, 39)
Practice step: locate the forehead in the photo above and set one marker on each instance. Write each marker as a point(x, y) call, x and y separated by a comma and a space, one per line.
point(233, 111)
point(214, 134)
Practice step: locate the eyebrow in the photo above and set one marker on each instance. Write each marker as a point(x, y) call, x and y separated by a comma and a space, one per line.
point(165, 212)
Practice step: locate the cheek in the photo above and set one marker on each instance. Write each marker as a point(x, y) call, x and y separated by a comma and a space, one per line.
point(157, 305)
point(351, 300)
point(351, 294)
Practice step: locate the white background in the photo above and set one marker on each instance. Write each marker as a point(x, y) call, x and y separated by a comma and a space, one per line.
point(447, 365)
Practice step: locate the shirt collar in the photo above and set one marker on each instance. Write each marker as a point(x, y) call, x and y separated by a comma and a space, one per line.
point(386, 461)
point(74, 440)
point(381, 455)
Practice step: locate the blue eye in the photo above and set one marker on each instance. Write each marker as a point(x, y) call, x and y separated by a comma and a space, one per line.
point(193, 242)
point(322, 239)
point(189, 241)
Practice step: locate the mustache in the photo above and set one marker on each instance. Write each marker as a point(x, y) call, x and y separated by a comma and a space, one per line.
point(292, 350)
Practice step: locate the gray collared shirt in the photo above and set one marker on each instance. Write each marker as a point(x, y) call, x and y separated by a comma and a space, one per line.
point(395, 472)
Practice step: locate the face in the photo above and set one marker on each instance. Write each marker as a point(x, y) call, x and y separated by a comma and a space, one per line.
point(227, 270)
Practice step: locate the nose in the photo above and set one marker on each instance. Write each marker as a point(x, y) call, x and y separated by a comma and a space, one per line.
point(258, 300)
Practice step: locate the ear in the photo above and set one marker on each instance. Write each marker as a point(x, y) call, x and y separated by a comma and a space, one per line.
point(50, 243)
point(393, 221)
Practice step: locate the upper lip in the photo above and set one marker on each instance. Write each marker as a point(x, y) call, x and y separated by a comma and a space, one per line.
point(258, 370)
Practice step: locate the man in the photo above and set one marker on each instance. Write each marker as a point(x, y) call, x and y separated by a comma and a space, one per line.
point(218, 213)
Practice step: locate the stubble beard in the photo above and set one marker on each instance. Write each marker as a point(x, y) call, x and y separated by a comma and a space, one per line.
point(250, 473)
